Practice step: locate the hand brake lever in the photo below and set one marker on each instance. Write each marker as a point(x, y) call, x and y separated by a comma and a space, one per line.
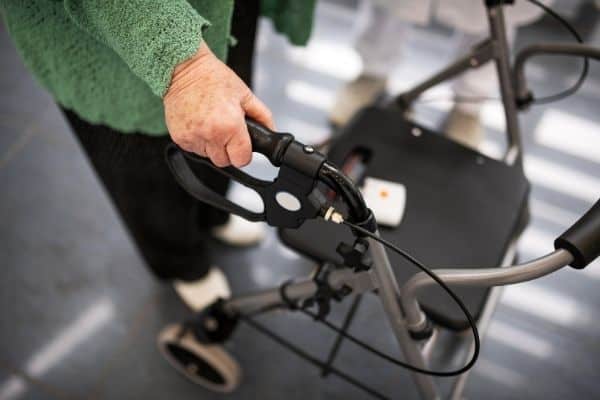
point(289, 200)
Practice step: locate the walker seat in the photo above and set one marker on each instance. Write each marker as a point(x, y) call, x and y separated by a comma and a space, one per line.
point(463, 208)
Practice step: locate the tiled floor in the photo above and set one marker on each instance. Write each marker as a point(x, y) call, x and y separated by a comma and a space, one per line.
point(80, 314)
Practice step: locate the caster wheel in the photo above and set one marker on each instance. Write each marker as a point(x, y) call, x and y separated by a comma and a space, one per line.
point(208, 365)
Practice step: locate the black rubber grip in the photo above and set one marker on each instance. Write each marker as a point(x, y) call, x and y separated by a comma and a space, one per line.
point(582, 240)
point(268, 143)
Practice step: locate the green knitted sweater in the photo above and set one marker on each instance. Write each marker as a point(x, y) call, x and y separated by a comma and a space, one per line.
point(111, 61)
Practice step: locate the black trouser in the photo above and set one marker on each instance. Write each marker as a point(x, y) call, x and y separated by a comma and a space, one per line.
point(169, 227)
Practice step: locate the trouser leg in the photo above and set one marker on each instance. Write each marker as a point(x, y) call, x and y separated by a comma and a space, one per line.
point(380, 40)
point(169, 227)
point(243, 28)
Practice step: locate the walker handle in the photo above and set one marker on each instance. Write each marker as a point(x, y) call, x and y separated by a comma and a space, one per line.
point(582, 239)
point(288, 200)
point(268, 143)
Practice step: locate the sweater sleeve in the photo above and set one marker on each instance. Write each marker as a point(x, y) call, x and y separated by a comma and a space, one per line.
point(291, 17)
point(151, 36)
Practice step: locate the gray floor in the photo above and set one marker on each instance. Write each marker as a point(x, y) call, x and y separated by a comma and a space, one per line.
point(79, 313)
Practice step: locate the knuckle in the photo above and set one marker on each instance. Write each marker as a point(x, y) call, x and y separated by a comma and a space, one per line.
point(240, 155)
point(268, 114)
point(246, 158)
point(185, 143)
point(247, 97)
point(220, 162)
point(214, 132)
point(229, 127)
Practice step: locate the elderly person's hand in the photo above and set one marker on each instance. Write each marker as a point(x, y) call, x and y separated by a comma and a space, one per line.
point(205, 107)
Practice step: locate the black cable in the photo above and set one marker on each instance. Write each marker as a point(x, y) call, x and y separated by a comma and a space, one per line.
point(586, 64)
point(249, 319)
point(450, 292)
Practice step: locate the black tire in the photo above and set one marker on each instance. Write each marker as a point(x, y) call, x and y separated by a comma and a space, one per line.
point(208, 365)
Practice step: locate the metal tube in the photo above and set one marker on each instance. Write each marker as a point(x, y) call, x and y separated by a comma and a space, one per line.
point(478, 277)
point(478, 56)
point(525, 54)
point(333, 352)
point(359, 282)
point(484, 322)
point(389, 293)
point(502, 60)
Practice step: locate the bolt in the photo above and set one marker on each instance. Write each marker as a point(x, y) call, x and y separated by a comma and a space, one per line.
point(211, 324)
point(192, 368)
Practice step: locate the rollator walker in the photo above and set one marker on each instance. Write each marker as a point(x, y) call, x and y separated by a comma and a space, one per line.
point(464, 214)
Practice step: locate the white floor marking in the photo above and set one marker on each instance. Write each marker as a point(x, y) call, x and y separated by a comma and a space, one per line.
point(72, 336)
point(547, 304)
point(519, 339)
point(552, 213)
point(570, 134)
point(498, 373)
point(562, 179)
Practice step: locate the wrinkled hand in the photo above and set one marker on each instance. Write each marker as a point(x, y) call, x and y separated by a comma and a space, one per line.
point(205, 107)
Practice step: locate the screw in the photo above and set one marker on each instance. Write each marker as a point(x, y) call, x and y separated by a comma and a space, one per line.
point(416, 131)
point(211, 324)
point(192, 368)
point(309, 149)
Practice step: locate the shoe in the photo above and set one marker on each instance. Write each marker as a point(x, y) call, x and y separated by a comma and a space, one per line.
point(240, 232)
point(464, 128)
point(199, 294)
point(354, 96)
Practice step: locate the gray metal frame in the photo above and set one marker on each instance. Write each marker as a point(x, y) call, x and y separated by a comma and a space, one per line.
point(402, 308)
point(400, 304)
point(494, 49)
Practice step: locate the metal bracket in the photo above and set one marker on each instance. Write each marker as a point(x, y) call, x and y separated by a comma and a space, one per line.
point(356, 256)
point(325, 293)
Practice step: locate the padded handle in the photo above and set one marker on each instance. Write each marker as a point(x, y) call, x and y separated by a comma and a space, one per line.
point(582, 239)
point(288, 200)
point(176, 160)
point(268, 143)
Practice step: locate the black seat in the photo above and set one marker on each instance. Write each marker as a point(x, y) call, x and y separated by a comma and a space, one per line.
point(463, 209)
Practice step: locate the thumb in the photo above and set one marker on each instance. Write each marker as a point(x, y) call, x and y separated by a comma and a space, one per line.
point(258, 111)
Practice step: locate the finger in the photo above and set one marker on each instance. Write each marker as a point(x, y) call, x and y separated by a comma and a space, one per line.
point(257, 110)
point(217, 155)
point(200, 148)
point(239, 148)
point(196, 146)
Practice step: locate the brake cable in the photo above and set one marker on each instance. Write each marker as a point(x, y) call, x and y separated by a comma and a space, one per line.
point(249, 319)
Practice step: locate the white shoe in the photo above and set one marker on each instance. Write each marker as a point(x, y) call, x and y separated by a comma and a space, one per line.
point(240, 232)
point(354, 96)
point(201, 293)
point(464, 128)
